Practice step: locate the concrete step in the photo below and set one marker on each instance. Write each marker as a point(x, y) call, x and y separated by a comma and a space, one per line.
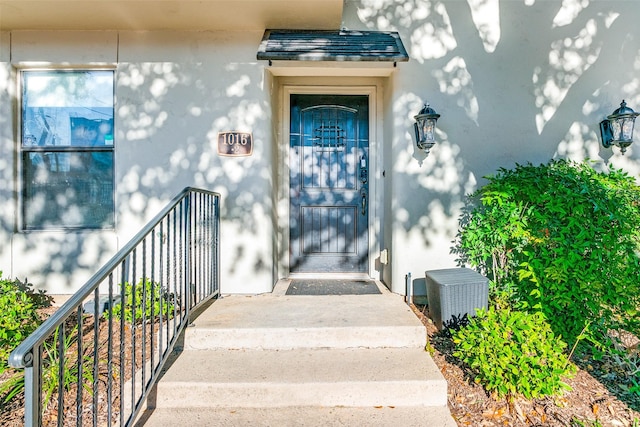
point(301, 416)
point(302, 377)
point(289, 322)
point(279, 360)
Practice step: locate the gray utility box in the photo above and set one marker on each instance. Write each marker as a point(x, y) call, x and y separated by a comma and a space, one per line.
point(455, 292)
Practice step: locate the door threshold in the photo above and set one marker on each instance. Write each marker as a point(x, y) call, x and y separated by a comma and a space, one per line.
point(330, 276)
point(282, 285)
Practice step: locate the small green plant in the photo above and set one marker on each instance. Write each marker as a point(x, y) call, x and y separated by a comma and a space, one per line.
point(19, 305)
point(144, 301)
point(52, 356)
point(51, 381)
point(454, 324)
point(514, 353)
point(575, 422)
point(72, 363)
point(12, 386)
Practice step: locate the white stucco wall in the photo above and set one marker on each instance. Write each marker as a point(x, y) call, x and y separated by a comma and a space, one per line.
point(174, 92)
point(514, 82)
point(193, 85)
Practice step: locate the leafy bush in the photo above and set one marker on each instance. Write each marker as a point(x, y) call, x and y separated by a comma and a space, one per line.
point(18, 314)
point(454, 324)
point(514, 353)
point(560, 238)
point(145, 300)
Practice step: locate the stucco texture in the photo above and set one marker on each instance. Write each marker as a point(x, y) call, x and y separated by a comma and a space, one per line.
point(514, 82)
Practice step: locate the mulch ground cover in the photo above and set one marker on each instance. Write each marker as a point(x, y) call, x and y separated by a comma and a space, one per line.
point(12, 412)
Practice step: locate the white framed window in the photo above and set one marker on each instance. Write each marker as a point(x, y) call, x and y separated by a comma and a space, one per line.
point(67, 149)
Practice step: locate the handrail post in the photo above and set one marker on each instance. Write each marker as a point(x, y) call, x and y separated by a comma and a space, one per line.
point(32, 391)
point(217, 246)
point(187, 255)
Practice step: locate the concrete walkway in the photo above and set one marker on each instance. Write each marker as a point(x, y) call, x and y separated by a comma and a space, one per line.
point(278, 360)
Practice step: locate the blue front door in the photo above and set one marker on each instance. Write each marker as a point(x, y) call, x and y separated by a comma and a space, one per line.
point(329, 194)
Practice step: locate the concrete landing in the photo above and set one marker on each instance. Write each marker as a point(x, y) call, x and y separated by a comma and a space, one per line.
point(285, 322)
point(280, 360)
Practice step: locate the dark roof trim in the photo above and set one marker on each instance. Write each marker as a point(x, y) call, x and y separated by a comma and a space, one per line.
point(340, 45)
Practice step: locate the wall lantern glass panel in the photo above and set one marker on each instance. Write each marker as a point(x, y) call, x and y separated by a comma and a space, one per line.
point(617, 128)
point(425, 128)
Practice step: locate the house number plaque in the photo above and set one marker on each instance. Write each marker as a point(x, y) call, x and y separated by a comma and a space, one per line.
point(235, 144)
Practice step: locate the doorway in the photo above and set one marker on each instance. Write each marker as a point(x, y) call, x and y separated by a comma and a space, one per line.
point(329, 183)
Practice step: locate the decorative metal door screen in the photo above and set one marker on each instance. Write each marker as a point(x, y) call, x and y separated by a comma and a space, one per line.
point(329, 158)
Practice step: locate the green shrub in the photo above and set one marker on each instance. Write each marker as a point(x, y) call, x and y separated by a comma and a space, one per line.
point(145, 300)
point(18, 315)
point(514, 353)
point(560, 238)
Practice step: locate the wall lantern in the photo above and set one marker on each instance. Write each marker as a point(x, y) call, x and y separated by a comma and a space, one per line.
point(425, 127)
point(617, 129)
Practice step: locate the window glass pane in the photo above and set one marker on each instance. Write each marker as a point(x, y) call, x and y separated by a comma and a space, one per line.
point(67, 149)
point(67, 108)
point(68, 189)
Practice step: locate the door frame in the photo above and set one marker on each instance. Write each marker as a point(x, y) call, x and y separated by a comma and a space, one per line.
point(373, 91)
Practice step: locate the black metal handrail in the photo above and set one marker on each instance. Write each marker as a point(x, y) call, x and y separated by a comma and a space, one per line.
point(95, 359)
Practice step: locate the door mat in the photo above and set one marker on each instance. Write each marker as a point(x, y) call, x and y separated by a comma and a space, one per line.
point(332, 287)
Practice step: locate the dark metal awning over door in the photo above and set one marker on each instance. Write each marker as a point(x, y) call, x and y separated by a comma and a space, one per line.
point(340, 45)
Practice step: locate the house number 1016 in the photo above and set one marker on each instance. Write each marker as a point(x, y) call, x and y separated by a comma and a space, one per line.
point(235, 143)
